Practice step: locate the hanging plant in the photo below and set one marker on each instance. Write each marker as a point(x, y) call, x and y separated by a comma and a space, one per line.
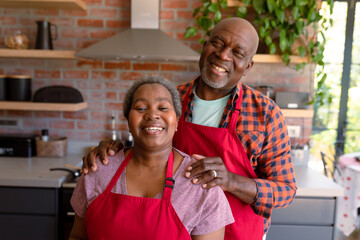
point(280, 24)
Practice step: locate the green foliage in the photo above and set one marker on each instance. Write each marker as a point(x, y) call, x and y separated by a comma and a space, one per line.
point(280, 23)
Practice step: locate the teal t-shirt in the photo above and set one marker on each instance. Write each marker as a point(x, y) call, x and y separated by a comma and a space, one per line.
point(208, 113)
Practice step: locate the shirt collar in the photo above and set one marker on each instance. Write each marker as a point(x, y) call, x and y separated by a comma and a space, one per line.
point(234, 96)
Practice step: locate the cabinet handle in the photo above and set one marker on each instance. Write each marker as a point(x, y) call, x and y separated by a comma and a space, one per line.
point(70, 213)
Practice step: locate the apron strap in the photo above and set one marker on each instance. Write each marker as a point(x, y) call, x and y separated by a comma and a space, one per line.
point(169, 181)
point(235, 114)
point(184, 104)
point(118, 172)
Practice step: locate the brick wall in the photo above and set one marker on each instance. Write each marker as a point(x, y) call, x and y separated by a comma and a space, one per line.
point(101, 83)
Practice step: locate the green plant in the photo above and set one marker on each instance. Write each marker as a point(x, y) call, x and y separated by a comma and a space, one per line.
point(280, 24)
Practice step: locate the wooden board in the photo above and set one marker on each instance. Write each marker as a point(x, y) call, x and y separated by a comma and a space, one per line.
point(35, 106)
point(59, 4)
point(35, 53)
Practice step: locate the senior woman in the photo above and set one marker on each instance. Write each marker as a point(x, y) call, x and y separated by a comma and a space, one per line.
point(142, 193)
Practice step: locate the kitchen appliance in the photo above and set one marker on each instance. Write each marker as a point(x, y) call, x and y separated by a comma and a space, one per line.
point(17, 145)
point(58, 94)
point(2, 87)
point(292, 100)
point(143, 41)
point(44, 38)
point(18, 88)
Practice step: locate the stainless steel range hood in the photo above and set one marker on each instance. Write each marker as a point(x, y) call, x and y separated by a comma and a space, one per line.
point(143, 41)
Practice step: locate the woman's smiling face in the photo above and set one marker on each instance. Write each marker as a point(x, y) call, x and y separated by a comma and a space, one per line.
point(152, 118)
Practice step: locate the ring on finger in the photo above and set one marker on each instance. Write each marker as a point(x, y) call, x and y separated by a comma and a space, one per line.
point(214, 173)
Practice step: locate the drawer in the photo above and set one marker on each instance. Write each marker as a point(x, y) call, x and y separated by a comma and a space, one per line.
point(307, 211)
point(28, 200)
point(27, 227)
point(286, 232)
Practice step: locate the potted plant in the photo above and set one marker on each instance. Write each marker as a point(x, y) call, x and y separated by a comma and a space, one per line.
point(281, 25)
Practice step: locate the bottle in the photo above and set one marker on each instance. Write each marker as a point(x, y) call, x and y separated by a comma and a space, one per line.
point(129, 140)
point(113, 131)
point(45, 135)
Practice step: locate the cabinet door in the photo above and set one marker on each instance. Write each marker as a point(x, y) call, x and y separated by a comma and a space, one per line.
point(27, 227)
point(306, 211)
point(28, 200)
point(287, 232)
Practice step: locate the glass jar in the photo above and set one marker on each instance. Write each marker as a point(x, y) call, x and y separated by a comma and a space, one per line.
point(17, 40)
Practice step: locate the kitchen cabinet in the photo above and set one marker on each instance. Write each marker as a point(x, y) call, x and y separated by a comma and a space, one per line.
point(37, 106)
point(312, 213)
point(59, 4)
point(29, 213)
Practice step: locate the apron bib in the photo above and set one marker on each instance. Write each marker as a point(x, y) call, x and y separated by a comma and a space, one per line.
point(118, 216)
point(225, 143)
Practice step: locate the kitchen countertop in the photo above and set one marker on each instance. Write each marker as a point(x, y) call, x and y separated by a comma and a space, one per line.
point(34, 172)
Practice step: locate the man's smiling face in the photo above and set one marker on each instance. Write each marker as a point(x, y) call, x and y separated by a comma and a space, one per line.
point(227, 55)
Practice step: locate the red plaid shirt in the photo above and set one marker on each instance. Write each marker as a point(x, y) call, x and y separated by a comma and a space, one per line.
point(262, 130)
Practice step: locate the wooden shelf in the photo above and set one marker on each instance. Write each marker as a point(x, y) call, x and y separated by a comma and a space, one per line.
point(267, 58)
point(298, 113)
point(59, 4)
point(35, 53)
point(36, 106)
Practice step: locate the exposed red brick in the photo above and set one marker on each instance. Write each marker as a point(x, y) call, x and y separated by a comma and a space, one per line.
point(125, 14)
point(118, 85)
point(89, 125)
point(102, 96)
point(47, 73)
point(118, 24)
point(185, 15)
point(102, 33)
point(108, 75)
point(174, 26)
point(63, 22)
point(90, 23)
point(16, 11)
point(73, 13)
point(74, 33)
point(90, 64)
point(32, 62)
point(131, 75)
point(16, 113)
point(62, 124)
point(47, 114)
point(117, 65)
point(145, 66)
point(99, 135)
point(61, 64)
point(8, 20)
point(85, 43)
point(93, 2)
point(83, 115)
point(95, 106)
point(88, 84)
point(47, 12)
point(35, 123)
point(118, 3)
point(173, 67)
point(176, 4)
point(103, 13)
point(76, 74)
point(98, 115)
point(113, 106)
point(167, 15)
point(77, 135)
point(63, 43)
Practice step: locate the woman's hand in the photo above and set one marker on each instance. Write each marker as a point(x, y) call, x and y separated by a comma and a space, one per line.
point(209, 171)
point(106, 147)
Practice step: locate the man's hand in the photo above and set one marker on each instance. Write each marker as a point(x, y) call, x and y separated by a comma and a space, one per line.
point(106, 147)
point(202, 172)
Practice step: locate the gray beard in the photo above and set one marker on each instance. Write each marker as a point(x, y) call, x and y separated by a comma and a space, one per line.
point(207, 81)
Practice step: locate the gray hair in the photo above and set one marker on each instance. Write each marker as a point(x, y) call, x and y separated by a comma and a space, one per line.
point(128, 100)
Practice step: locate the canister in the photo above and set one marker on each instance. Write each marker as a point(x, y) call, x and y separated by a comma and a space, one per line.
point(2, 87)
point(18, 88)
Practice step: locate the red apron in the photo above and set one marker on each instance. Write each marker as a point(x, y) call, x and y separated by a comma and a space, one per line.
point(225, 143)
point(118, 216)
